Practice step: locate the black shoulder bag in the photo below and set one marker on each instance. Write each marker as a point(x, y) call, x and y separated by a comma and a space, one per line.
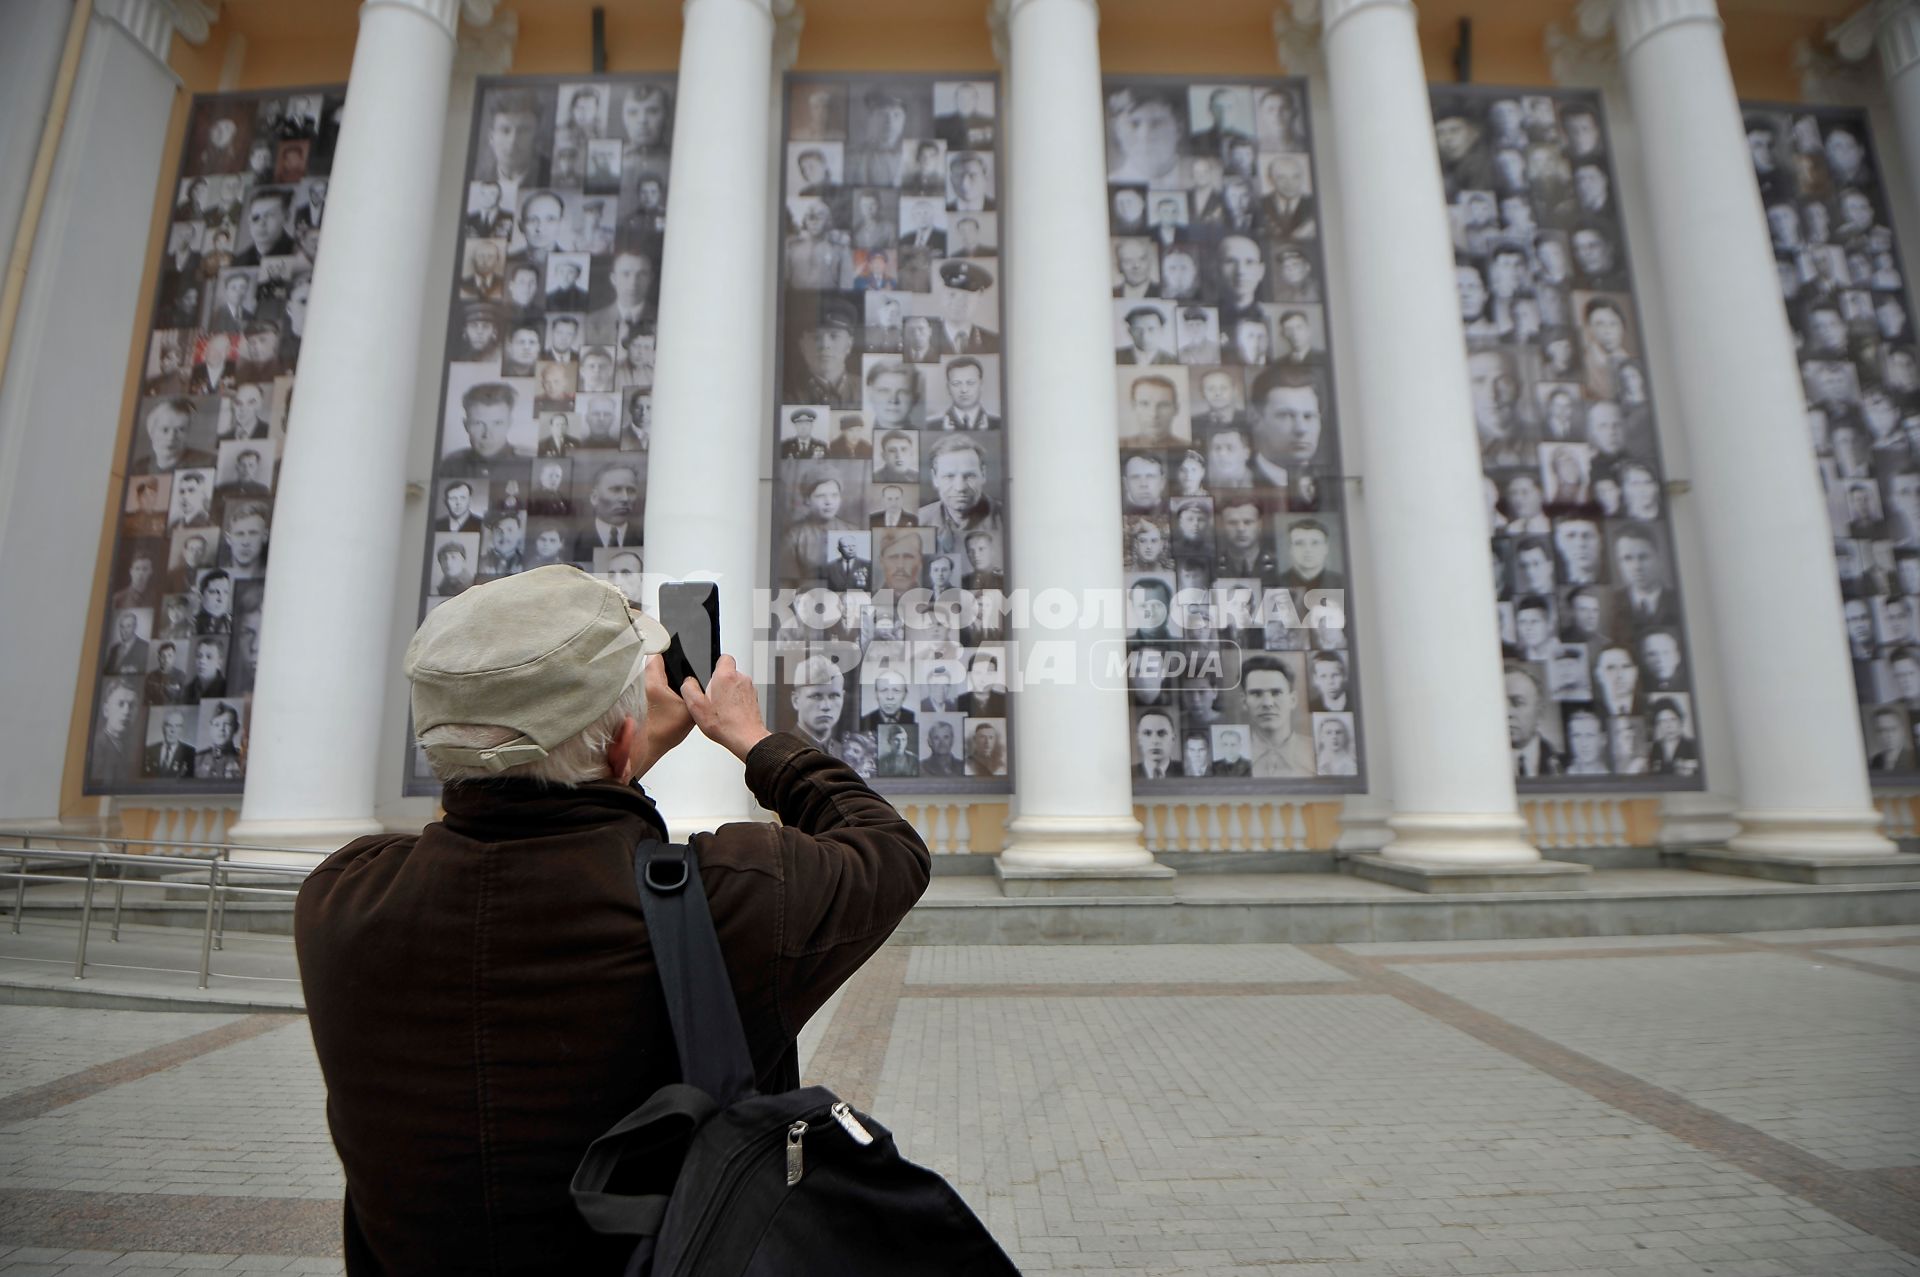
point(767, 1185)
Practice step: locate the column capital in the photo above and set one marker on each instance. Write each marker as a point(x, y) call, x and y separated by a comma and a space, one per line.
point(789, 19)
point(775, 9)
point(1891, 26)
point(445, 14)
point(1334, 12)
point(154, 23)
point(1296, 36)
point(1579, 59)
point(1000, 15)
point(1827, 76)
point(487, 48)
point(1634, 21)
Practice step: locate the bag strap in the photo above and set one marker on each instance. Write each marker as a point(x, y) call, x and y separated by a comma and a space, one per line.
point(693, 972)
point(664, 1123)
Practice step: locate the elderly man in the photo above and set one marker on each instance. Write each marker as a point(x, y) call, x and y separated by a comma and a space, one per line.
point(542, 810)
point(171, 757)
point(616, 496)
point(957, 465)
point(168, 424)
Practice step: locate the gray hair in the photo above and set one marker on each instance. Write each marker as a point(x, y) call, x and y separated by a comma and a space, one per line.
point(578, 760)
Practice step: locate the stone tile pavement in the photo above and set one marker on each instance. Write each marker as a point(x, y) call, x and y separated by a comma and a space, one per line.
point(1733, 1106)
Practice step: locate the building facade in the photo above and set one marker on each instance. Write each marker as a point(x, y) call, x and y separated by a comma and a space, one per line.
point(1098, 418)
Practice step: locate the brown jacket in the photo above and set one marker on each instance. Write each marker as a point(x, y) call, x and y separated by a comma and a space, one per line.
point(484, 1004)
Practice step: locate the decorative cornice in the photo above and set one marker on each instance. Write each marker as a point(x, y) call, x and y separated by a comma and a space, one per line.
point(1639, 20)
point(1296, 36)
point(1334, 12)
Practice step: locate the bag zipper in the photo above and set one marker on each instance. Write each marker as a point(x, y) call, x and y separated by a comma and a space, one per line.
point(843, 1114)
point(796, 1167)
point(732, 1176)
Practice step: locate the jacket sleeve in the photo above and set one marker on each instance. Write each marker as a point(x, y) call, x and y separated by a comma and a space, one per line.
point(851, 867)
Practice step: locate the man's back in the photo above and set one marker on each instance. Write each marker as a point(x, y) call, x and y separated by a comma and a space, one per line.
point(484, 1004)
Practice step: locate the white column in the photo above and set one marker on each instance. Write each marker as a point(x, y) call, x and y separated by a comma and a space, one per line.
point(1897, 36)
point(1072, 788)
point(29, 62)
point(59, 416)
point(312, 769)
point(703, 473)
point(1769, 579)
point(1441, 694)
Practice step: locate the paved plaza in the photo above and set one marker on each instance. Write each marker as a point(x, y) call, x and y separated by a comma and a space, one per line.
point(1742, 1106)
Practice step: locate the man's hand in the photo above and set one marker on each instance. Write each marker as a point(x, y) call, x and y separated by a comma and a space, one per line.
point(667, 719)
point(728, 712)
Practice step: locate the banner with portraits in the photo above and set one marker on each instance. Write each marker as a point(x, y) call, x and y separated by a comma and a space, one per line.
point(1840, 274)
point(181, 630)
point(889, 559)
point(546, 411)
point(1239, 657)
point(1598, 676)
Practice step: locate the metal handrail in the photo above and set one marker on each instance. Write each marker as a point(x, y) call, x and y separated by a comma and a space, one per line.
point(26, 837)
point(218, 886)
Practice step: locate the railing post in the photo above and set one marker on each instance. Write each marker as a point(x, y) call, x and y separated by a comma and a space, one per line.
point(20, 892)
point(220, 910)
point(86, 919)
point(206, 934)
point(119, 899)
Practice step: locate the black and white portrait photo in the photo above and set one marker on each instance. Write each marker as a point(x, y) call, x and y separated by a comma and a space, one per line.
point(1576, 496)
point(180, 634)
point(889, 473)
point(1847, 303)
point(1234, 528)
point(546, 421)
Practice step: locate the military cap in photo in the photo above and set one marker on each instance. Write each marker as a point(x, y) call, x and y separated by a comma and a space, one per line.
point(835, 312)
point(968, 277)
point(542, 653)
point(805, 414)
point(487, 311)
point(880, 99)
point(1196, 314)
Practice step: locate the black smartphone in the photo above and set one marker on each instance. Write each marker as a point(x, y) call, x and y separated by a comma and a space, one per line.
point(691, 612)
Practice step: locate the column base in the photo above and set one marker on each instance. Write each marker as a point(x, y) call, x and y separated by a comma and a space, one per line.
point(1363, 825)
point(298, 836)
point(1821, 869)
point(1696, 820)
point(1078, 856)
point(1442, 879)
point(1446, 839)
point(1811, 834)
